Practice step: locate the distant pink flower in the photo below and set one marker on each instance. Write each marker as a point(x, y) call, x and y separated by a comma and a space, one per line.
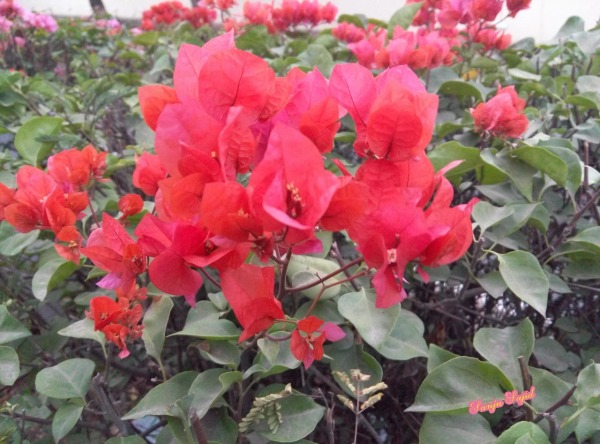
point(502, 115)
point(40, 21)
point(515, 6)
point(5, 24)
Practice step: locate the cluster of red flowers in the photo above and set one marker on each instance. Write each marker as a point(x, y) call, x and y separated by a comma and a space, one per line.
point(168, 13)
point(239, 170)
point(502, 115)
point(54, 200)
point(290, 14)
point(431, 44)
point(228, 115)
point(119, 320)
point(418, 49)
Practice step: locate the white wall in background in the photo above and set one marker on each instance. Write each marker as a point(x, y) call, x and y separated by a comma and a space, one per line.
point(541, 21)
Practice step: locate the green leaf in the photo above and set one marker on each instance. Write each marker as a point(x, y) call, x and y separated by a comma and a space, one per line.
point(448, 152)
point(588, 424)
point(524, 75)
point(486, 215)
point(460, 88)
point(493, 284)
point(9, 365)
point(10, 328)
point(27, 142)
point(588, 385)
point(65, 419)
point(437, 76)
point(220, 352)
point(551, 354)
point(589, 239)
point(317, 56)
point(304, 270)
point(49, 275)
point(13, 242)
point(437, 428)
point(209, 386)
point(159, 399)
point(205, 321)
point(524, 276)
point(354, 19)
point(69, 379)
point(574, 169)
point(83, 329)
point(518, 171)
point(406, 338)
point(545, 161)
point(155, 324)
point(523, 432)
point(325, 310)
point(437, 356)
point(503, 346)
point(219, 427)
point(451, 386)
point(521, 213)
point(548, 387)
point(355, 358)
point(131, 439)
point(149, 38)
point(274, 357)
point(300, 416)
point(572, 25)
point(404, 16)
point(394, 334)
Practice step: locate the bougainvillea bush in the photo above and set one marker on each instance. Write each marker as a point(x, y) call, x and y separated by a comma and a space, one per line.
point(276, 232)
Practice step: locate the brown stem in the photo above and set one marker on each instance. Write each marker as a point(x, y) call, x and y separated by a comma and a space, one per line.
point(99, 393)
point(340, 260)
point(197, 427)
point(356, 261)
point(286, 261)
point(526, 383)
point(562, 401)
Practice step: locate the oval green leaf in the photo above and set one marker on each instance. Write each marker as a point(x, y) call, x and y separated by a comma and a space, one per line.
point(65, 419)
point(28, 141)
point(300, 416)
point(451, 386)
point(9, 365)
point(523, 432)
point(503, 346)
point(69, 379)
point(155, 324)
point(396, 334)
point(455, 428)
point(158, 400)
point(524, 276)
point(49, 275)
point(10, 328)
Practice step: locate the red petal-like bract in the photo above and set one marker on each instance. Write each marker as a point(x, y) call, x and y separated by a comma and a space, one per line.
point(191, 60)
point(236, 144)
point(400, 123)
point(181, 125)
point(502, 115)
point(153, 99)
point(226, 211)
point(283, 194)
point(353, 86)
point(148, 172)
point(235, 78)
point(113, 250)
point(307, 340)
point(249, 291)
